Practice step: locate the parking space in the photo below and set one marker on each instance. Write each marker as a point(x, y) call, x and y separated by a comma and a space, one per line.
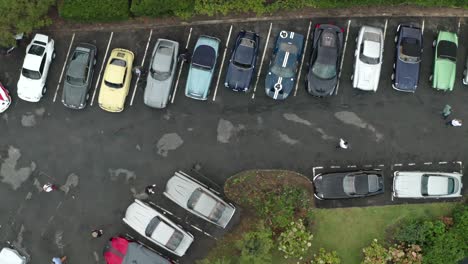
point(115, 156)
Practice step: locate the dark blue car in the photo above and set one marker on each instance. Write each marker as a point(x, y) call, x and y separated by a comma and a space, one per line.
point(409, 47)
point(282, 74)
point(241, 66)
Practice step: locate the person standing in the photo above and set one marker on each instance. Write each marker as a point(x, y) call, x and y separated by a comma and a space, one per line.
point(150, 189)
point(57, 260)
point(343, 144)
point(185, 56)
point(48, 187)
point(97, 233)
point(446, 111)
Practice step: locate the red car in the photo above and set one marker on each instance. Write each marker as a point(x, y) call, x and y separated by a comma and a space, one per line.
point(120, 250)
point(5, 98)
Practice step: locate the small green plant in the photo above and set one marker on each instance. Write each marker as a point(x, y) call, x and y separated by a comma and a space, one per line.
point(326, 257)
point(255, 246)
point(375, 253)
point(295, 241)
point(406, 254)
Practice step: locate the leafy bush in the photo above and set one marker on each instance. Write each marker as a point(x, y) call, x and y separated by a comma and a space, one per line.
point(279, 208)
point(92, 10)
point(375, 254)
point(155, 8)
point(255, 246)
point(419, 232)
point(295, 241)
point(403, 254)
point(324, 257)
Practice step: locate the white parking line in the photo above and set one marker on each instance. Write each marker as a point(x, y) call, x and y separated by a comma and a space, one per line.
point(459, 25)
point(422, 27)
point(368, 166)
point(461, 166)
point(398, 165)
point(427, 163)
point(442, 162)
point(352, 166)
point(302, 60)
point(335, 167)
point(222, 64)
point(411, 164)
point(135, 88)
point(343, 56)
point(102, 67)
point(381, 165)
point(180, 69)
point(261, 63)
point(385, 29)
point(63, 68)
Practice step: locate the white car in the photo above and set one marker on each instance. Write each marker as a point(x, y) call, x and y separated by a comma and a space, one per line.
point(11, 256)
point(32, 81)
point(368, 58)
point(418, 184)
point(157, 228)
point(196, 198)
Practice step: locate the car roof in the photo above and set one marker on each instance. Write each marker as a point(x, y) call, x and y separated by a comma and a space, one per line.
point(162, 58)
point(205, 56)
point(371, 49)
point(437, 185)
point(78, 65)
point(32, 62)
point(115, 73)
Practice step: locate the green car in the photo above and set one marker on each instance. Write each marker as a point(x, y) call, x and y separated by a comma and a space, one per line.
point(445, 61)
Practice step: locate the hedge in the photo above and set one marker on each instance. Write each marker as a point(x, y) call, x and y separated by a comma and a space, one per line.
point(155, 8)
point(94, 10)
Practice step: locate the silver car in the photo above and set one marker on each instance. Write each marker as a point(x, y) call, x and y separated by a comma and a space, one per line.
point(418, 184)
point(161, 73)
point(196, 198)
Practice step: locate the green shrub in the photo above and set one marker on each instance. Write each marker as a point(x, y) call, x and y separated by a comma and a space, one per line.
point(155, 8)
point(94, 10)
point(406, 254)
point(295, 241)
point(324, 257)
point(419, 232)
point(375, 253)
point(255, 246)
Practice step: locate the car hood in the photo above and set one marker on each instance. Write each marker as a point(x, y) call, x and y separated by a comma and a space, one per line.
point(157, 92)
point(29, 87)
point(408, 185)
point(444, 75)
point(198, 83)
point(74, 95)
point(320, 87)
point(406, 76)
point(111, 99)
point(367, 76)
point(285, 86)
point(238, 78)
point(179, 190)
point(330, 186)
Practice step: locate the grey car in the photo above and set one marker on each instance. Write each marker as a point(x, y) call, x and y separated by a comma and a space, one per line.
point(79, 76)
point(161, 73)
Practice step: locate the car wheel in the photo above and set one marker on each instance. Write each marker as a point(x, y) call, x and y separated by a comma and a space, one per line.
point(393, 65)
point(434, 43)
point(431, 78)
point(94, 62)
point(87, 97)
point(393, 76)
point(396, 39)
point(44, 90)
point(355, 40)
point(53, 55)
point(352, 77)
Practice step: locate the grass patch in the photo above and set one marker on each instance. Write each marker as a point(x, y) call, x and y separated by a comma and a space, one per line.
point(348, 230)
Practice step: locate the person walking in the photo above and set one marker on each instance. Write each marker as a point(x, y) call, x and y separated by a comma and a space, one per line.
point(185, 56)
point(454, 122)
point(97, 233)
point(150, 189)
point(343, 144)
point(48, 187)
point(446, 111)
point(57, 260)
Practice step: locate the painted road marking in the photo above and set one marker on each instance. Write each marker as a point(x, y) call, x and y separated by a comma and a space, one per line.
point(261, 63)
point(422, 27)
point(315, 168)
point(385, 29)
point(343, 56)
point(180, 69)
point(427, 163)
point(335, 167)
point(443, 162)
point(459, 25)
point(102, 67)
point(63, 68)
point(142, 64)
point(302, 60)
point(461, 166)
point(222, 64)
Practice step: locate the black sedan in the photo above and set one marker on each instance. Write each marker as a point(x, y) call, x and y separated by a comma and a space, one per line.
point(79, 76)
point(343, 185)
point(408, 53)
point(241, 66)
point(324, 65)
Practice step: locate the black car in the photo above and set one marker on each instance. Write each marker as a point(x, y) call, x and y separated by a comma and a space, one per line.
point(408, 52)
point(79, 76)
point(241, 66)
point(324, 65)
point(343, 185)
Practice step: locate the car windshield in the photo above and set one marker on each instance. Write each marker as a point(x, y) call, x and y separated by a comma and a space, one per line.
point(244, 53)
point(324, 71)
point(175, 240)
point(206, 205)
point(370, 48)
point(35, 75)
point(192, 201)
point(113, 85)
point(75, 80)
point(36, 50)
point(152, 225)
point(118, 62)
point(410, 51)
point(447, 50)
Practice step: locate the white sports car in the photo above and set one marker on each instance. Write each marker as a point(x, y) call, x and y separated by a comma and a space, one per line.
point(368, 58)
point(196, 198)
point(39, 55)
point(418, 184)
point(157, 228)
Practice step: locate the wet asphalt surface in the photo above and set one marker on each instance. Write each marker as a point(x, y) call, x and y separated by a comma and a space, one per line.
point(103, 161)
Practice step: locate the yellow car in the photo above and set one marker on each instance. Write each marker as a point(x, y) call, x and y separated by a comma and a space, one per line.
point(116, 81)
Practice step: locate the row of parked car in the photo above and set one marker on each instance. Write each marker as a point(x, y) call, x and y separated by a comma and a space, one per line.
point(406, 184)
point(321, 81)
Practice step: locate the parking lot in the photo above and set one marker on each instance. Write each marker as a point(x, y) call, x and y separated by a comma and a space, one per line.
point(104, 160)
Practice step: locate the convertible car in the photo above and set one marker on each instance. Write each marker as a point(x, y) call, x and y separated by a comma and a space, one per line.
point(198, 199)
point(445, 61)
point(241, 66)
point(342, 185)
point(202, 68)
point(417, 184)
point(121, 250)
point(325, 59)
point(282, 74)
point(409, 47)
point(368, 58)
